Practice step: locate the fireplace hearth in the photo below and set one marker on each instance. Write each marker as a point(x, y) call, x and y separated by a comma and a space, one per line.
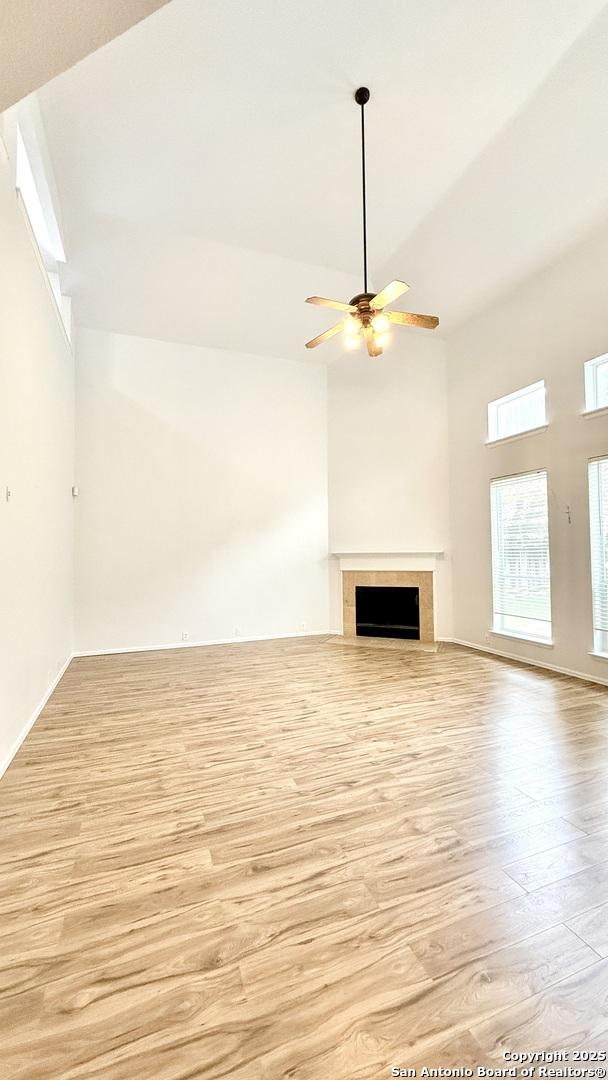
point(387, 611)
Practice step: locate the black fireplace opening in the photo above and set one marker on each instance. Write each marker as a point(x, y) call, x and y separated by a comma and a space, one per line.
point(387, 611)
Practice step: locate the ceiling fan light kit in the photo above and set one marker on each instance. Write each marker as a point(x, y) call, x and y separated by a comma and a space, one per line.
point(365, 320)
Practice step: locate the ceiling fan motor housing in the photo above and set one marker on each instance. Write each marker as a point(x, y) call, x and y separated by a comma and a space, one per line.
point(362, 302)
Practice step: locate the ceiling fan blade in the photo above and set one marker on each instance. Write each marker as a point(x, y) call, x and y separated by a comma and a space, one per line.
point(325, 336)
point(373, 348)
point(329, 303)
point(408, 318)
point(388, 294)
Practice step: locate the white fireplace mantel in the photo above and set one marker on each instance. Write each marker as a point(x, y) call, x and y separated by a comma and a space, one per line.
point(388, 560)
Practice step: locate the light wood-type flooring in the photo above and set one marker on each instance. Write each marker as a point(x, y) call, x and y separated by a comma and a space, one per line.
point(292, 860)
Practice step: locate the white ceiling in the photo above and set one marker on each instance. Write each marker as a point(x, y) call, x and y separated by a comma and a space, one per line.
point(208, 160)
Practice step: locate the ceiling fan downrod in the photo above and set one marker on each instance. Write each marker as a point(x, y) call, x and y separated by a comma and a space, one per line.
point(362, 98)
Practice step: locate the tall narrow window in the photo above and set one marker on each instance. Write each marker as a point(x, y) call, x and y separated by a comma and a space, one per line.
point(598, 515)
point(39, 206)
point(596, 383)
point(523, 410)
point(33, 186)
point(520, 556)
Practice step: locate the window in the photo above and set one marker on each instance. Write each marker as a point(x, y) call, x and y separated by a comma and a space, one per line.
point(521, 411)
point(598, 515)
point(32, 184)
point(520, 556)
point(596, 383)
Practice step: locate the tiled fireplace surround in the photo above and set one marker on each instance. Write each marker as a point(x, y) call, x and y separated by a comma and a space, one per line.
point(422, 579)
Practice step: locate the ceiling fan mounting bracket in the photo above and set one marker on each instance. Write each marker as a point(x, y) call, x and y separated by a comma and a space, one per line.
point(362, 95)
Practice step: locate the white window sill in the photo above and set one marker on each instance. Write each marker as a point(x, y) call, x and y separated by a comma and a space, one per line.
point(547, 643)
point(602, 411)
point(518, 435)
point(599, 655)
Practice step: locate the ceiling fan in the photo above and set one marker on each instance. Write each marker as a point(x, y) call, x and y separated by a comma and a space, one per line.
point(365, 318)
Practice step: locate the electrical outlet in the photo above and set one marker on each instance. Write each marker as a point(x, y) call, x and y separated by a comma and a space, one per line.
point(303, 624)
point(237, 631)
point(185, 635)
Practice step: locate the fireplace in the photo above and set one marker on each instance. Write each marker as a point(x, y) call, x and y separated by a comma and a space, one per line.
point(399, 581)
point(387, 611)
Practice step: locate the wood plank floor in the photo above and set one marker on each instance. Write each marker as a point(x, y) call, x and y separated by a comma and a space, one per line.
point(287, 859)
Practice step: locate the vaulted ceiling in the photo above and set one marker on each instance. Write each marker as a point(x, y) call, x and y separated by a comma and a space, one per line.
point(41, 38)
point(208, 160)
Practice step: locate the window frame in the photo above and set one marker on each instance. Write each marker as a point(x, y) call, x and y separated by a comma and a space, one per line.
point(493, 410)
point(496, 629)
point(590, 368)
point(600, 648)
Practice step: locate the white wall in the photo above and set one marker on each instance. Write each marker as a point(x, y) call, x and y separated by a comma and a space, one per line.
point(36, 463)
point(545, 329)
point(388, 457)
point(203, 494)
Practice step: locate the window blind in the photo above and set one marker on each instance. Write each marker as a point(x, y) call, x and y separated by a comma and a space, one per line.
point(598, 520)
point(521, 576)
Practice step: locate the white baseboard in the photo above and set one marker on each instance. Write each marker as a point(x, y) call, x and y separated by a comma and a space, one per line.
point(531, 663)
point(6, 760)
point(202, 644)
